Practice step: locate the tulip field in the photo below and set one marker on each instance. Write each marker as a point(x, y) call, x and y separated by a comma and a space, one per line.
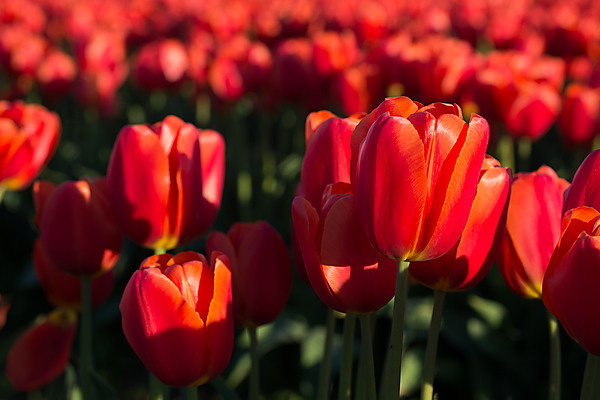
point(286, 200)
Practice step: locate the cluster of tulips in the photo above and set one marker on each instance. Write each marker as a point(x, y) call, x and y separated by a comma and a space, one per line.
point(418, 185)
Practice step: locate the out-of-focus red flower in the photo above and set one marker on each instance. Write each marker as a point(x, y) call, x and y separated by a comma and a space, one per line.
point(579, 120)
point(29, 135)
point(358, 88)
point(64, 290)
point(77, 228)
point(56, 73)
point(570, 288)
point(166, 181)
point(584, 190)
point(467, 263)
point(176, 313)
point(416, 177)
point(260, 269)
point(162, 64)
point(334, 52)
point(532, 229)
point(343, 268)
point(42, 352)
point(4, 307)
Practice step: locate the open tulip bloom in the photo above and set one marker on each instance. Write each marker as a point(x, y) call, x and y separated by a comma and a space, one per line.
point(177, 315)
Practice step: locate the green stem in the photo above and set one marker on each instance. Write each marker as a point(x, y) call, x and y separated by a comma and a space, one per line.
point(393, 390)
point(325, 371)
point(347, 358)
point(2, 191)
point(156, 388)
point(554, 336)
point(85, 368)
point(432, 343)
point(590, 388)
point(506, 151)
point(160, 251)
point(524, 153)
point(254, 371)
point(367, 356)
point(191, 393)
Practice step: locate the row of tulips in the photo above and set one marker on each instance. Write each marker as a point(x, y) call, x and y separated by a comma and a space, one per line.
point(403, 193)
point(540, 71)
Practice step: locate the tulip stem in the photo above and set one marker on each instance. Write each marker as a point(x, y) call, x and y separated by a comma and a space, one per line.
point(156, 388)
point(590, 388)
point(393, 391)
point(347, 358)
point(554, 336)
point(325, 371)
point(85, 368)
point(432, 344)
point(367, 357)
point(191, 393)
point(254, 367)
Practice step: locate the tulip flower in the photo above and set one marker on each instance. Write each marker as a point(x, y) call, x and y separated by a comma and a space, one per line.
point(466, 264)
point(344, 269)
point(584, 188)
point(29, 135)
point(532, 230)
point(177, 315)
point(42, 352)
point(64, 290)
point(570, 285)
point(166, 181)
point(416, 178)
point(579, 120)
point(161, 64)
point(260, 269)
point(77, 228)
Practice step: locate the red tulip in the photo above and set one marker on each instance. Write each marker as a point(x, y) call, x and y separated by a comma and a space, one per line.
point(467, 263)
point(29, 135)
point(570, 287)
point(579, 120)
point(260, 269)
point(327, 157)
point(416, 179)
point(56, 73)
point(166, 181)
point(77, 228)
point(161, 64)
point(532, 229)
point(584, 190)
point(42, 352)
point(345, 271)
point(177, 316)
point(64, 290)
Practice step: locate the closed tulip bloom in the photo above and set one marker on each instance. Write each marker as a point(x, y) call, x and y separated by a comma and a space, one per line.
point(416, 178)
point(42, 352)
point(177, 316)
point(77, 228)
point(532, 230)
point(29, 135)
point(343, 268)
point(260, 268)
point(166, 181)
point(579, 120)
point(327, 157)
point(570, 288)
point(467, 263)
point(584, 190)
point(64, 290)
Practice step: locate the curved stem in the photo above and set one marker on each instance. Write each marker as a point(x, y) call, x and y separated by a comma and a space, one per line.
point(345, 389)
point(393, 390)
point(156, 387)
point(590, 388)
point(432, 344)
point(367, 357)
point(85, 368)
point(325, 371)
point(254, 368)
point(554, 336)
point(191, 393)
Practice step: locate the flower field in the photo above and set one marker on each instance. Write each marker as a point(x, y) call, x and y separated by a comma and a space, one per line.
point(229, 199)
